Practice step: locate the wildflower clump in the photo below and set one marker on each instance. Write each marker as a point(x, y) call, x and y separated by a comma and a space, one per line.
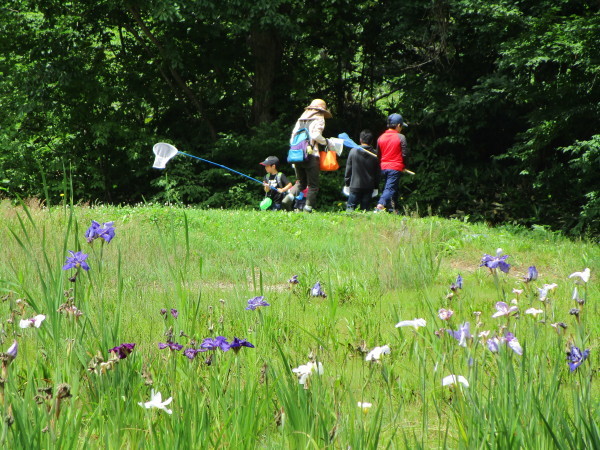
point(365, 406)
point(575, 357)
point(495, 262)
point(508, 339)
point(532, 274)
point(76, 261)
point(237, 344)
point(458, 284)
point(5, 359)
point(462, 335)
point(123, 350)
point(99, 366)
point(106, 232)
point(173, 346)
point(453, 380)
point(317, 291)
point(69, 309)
point(415, 323)
point(35, 321)
point(156, 402)
point(306, 370)
point(502, 309)
point(378, 352)
point(256, 302)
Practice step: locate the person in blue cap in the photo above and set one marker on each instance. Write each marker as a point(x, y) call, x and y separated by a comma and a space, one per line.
point(393, 158)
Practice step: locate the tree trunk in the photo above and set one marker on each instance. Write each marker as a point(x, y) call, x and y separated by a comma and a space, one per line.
point(266, 50)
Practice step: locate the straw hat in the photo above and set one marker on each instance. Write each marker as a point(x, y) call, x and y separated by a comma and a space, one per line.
point(320, 105)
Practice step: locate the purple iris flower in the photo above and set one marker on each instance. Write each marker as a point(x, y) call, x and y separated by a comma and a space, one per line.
point(493, 344)
point(90, 233)
point(174, 346)
point(237, 344)
point(192, 352)
point(174, 313)
point(293, 280)
point(513, 343)
point(495, 262)
point(105, 231)
point(316, 290)
point(213, 344)
point(76, 260)
point(13, 350)
point(256, 302)
point(462, 334)
point(508, 339)
point(163, 312)
point(457, 284)
point(123, 350)
point(532, 274)
point(575, 357)
point(502, 309)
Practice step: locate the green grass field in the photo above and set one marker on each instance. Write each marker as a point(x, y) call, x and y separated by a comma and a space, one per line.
point(64, 390)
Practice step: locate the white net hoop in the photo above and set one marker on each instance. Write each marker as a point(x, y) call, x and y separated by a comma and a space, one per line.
point(164, 152)
point(336, 145)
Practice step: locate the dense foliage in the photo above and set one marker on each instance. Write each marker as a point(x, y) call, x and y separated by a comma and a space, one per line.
point(502, 98)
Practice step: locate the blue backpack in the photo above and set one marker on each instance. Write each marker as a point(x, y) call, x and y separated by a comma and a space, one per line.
point(300, 145)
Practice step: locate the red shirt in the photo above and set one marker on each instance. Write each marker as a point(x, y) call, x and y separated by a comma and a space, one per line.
point(390, 150)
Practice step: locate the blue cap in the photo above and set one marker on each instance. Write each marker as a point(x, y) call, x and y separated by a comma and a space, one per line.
point(396, 119)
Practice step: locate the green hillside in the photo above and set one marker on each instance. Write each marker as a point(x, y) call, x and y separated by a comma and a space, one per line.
point(201, 267)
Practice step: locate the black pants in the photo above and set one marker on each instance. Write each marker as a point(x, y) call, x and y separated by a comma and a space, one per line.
point(359, 197)
point(307, 174)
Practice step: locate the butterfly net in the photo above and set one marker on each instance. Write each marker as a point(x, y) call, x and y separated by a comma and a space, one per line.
point(336, 145)
point(164, 152)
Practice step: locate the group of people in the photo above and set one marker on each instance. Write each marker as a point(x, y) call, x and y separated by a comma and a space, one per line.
point(366, 166)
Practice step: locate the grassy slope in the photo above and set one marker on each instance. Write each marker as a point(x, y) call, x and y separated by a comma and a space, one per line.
point(376, 270)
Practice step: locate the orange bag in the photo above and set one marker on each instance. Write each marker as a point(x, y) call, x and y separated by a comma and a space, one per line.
point(328, 161)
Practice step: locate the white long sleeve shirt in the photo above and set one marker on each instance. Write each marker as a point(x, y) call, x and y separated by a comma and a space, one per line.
point(315, 122)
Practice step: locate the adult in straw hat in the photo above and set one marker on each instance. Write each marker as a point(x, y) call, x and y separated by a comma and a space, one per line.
point(308, 171)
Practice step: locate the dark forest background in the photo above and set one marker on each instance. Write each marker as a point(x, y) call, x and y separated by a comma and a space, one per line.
point(502, 98)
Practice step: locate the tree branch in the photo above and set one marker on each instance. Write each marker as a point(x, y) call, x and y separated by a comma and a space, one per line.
point(405, 69)
point(174, 73)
